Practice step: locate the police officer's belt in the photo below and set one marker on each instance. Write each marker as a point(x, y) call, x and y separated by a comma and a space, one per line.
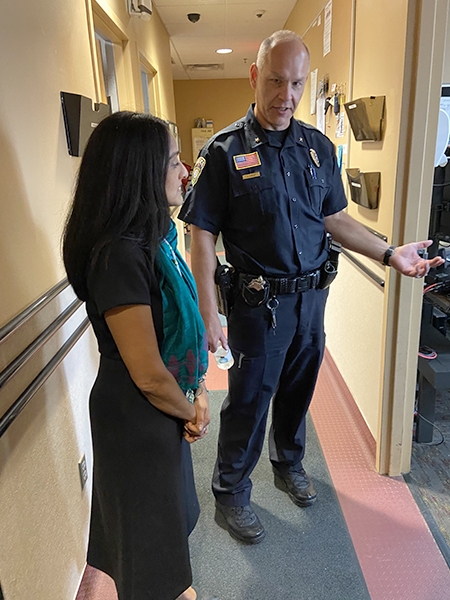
point(283, 285)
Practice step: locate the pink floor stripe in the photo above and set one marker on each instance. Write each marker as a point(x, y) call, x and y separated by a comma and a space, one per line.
point(398, 555)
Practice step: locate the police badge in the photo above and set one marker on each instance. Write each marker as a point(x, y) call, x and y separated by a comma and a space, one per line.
point(314, 157)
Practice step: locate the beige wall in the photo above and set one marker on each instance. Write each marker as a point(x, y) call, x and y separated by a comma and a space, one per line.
point(222, 100)
point(43, 511)
point(355, 318)
point(335, 64)
point(446, 70)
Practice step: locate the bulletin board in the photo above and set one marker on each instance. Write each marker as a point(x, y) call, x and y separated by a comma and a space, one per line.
point(200, 135)
point(330, 58)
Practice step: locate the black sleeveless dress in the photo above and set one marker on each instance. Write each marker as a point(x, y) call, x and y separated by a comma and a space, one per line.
point(144, 503)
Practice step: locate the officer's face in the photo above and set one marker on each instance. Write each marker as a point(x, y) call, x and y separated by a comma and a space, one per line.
point(175, 173)
point(279, 84)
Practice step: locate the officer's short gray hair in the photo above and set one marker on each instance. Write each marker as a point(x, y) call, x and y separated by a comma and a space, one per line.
point(283, 35)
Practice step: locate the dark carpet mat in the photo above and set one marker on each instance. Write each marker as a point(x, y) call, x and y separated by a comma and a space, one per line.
point(429, 479)
point(307, 553)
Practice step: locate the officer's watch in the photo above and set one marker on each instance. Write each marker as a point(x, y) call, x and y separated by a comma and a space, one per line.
point(387, 256)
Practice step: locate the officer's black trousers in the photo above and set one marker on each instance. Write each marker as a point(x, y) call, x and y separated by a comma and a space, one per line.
point(281, 363)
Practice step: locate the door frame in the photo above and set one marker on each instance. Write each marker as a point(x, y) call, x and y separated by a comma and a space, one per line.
point(424, 61)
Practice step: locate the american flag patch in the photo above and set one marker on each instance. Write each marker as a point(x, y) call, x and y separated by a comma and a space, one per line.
point(245, 161)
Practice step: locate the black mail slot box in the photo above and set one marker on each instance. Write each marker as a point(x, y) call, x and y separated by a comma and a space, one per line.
point(81, 116)
point(364, 187)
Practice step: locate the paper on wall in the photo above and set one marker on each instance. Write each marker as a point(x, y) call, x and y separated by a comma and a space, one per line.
point(320, 114)
point(313, 91)
point(327, 28)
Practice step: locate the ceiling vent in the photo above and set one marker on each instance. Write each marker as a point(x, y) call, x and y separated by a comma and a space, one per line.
point(205, 67)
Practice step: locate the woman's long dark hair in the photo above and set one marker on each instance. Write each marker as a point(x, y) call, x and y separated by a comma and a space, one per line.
point(120, 191)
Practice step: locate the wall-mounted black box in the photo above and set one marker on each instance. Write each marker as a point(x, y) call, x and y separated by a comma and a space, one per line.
point(364, 187)
point(81, 116)
point(366, 117)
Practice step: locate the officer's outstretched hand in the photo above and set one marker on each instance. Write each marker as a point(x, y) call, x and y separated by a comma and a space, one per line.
point(407, 261)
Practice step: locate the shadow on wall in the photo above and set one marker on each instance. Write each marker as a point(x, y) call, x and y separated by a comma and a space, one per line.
point(43, 510)
point(24, 250)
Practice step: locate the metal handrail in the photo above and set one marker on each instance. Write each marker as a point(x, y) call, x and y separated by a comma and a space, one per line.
point(377, 233)
point(17, 407)
point(36, 344)
point(378, 280)
point(31, 310)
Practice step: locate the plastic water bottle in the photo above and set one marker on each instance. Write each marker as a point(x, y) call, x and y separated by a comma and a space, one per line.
point(224, 358)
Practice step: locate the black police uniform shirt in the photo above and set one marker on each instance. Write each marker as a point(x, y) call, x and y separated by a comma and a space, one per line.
point(268, 198)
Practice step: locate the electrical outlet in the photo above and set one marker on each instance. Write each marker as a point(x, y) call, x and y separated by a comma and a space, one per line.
point(82, 469)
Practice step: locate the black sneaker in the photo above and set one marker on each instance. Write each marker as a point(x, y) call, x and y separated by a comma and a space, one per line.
point(242, 523)
point(297, 484)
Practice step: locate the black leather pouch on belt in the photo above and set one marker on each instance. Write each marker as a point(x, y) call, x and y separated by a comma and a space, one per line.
point(329, 268)
point(223, 278)
point(255, 291)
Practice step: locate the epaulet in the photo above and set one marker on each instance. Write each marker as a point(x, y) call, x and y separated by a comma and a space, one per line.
point(307, 125)
point(230, 128)
point(224, 132)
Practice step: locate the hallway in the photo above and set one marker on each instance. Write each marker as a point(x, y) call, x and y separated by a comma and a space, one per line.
point(365, 538)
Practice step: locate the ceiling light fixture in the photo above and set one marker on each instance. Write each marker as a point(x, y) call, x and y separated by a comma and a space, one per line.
point(224, 51)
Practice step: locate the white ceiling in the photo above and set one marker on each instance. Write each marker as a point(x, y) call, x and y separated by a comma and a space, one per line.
point(222, 24)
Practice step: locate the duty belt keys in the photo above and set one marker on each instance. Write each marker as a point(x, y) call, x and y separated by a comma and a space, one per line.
point(256, 291)
point(272, 304)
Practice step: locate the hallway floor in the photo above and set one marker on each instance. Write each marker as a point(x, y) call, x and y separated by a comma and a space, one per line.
point(429, 479)
point(365, 538)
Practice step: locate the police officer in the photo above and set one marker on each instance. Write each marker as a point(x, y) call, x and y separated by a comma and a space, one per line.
point(270, 184)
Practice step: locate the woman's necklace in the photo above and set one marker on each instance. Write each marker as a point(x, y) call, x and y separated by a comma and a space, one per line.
point(174, 256)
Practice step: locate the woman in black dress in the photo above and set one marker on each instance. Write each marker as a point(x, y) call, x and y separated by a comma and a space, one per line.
point(148, 400)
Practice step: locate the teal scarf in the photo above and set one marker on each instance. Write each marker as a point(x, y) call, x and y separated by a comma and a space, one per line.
point(184, 348)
